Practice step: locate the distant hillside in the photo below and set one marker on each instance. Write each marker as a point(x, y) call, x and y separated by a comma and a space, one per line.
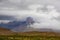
point(28, 33)
point(4, 31)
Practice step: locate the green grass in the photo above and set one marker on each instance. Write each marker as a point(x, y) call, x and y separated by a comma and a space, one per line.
point(31, 36)
point(21, 37)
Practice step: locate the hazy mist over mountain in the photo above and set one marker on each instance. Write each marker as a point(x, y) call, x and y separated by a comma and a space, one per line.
point(45, 13)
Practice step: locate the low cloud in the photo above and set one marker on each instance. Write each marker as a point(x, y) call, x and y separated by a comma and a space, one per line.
point(42, 19)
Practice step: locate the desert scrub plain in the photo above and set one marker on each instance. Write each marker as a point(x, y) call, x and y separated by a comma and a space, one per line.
point(31, 36)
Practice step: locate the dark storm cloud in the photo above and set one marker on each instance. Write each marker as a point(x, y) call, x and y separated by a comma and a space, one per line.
point(58, 19)
point(3, 0)
point(20, 5)
point(3, 17)
point(23, 4)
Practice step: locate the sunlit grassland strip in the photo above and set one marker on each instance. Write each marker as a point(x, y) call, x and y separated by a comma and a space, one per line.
point(22, 37)
point(31, 36)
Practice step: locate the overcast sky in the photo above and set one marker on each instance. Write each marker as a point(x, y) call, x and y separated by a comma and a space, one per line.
point(46, 13)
